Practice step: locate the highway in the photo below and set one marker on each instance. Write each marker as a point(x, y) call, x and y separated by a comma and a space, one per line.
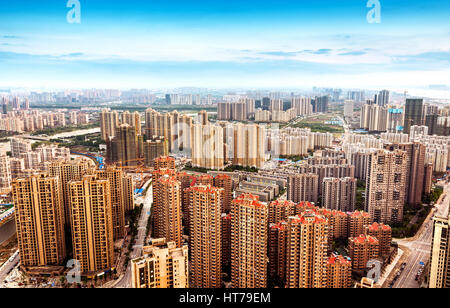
point(420, 245)
point(125, 280)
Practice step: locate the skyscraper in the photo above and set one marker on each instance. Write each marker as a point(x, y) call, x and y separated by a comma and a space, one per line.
point(5, 174)
point(303, 187)
point(109, 121)
point(382, 99)
point(119, 194)
point(207, 146)
point(307, 245)
point(167, 208)
point(383, 234)
point(226, 182)
point(339, 194)
point(205, 236)
point(413, 114)
point(92, 224)
point(248, 242)
point(126, 147)
point(339, 272)
point(163, 265)
point(39, 220)
point(386, 184)
point(68, 171)
point(440, 254)
point(155, 148)
point(362, 249)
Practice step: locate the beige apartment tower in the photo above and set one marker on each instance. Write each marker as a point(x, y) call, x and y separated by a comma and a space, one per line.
point(109, 121)
point(92, 224)
point(205, 203)
point(339, 194)
point(303, 187)
point(249, 232)
point(167, 207)
point(162, 266)
point(440, 254)
point(307, 245)
point(68, 171)
point(120, 196)
point(39, 220)
point(386, 186)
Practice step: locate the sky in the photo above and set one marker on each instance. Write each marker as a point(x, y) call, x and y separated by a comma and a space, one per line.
point(224, 44)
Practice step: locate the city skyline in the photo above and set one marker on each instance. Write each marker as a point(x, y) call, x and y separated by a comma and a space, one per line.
point(223, 45)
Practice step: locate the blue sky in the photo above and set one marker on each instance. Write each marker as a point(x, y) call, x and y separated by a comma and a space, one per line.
point(129, 44)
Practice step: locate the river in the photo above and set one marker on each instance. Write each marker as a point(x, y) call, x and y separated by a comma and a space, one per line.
point(6, 146)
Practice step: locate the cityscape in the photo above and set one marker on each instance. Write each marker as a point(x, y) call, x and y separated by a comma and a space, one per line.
point(240, 181)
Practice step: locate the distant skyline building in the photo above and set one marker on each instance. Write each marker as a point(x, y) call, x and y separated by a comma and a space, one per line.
point(413, 113)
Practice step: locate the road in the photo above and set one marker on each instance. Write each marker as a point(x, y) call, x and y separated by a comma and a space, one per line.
point(125, 281)
point(7, 268)
point(420, 246)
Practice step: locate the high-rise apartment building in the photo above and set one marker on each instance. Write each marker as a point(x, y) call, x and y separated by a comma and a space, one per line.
point(167, 207)
point(205, 236)
point(226, 182)
point(109, 121)
point(19, 146)
point(307, 246)
point(386, 184)
point(226, 241)
point(155, 148)
point(207, 146)
point(362, 249)
point(277, 253)
point(303, 187)
point(280, 210)
point(68, 171)
point(339, 272)
point(249, 242)
point(164, 162)
point(163, 265)
point(339, 194)
point(440, 254)
point(249, 145)
point(134, 120)
point(120, 196)
point(357, 221)
point(5, 174)
point(92, 224)
point(382, 99)
point(39, 220)
point(302, 105)
point(126, 147)
point(383, 234)
point(413, 114)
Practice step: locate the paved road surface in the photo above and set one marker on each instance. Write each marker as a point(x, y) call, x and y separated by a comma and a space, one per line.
point(420, 247)
point(125, 281)
point(7, 268)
